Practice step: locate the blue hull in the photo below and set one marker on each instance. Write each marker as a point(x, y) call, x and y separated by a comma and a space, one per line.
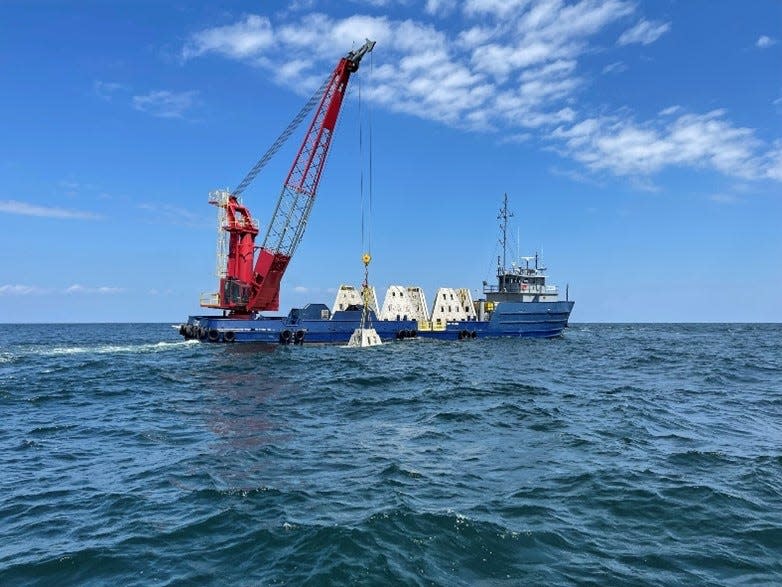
point(311, 326)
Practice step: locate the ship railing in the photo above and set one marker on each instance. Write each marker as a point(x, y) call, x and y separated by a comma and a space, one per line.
point(532, 289)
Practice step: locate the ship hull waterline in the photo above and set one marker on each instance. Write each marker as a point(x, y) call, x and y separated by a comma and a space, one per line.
point(510, 319)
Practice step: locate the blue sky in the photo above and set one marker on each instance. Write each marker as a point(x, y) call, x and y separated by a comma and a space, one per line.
point(640, 144)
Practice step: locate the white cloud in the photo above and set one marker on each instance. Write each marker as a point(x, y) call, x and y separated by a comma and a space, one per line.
point(440, 7)
point(625, 147)
point(301, 289)
point(765, 42)
point(514, 66)
point(21, 290)
point(107, 90)
point(26, 209)
point(774, 167)
point(242, 39)
point(475, 36)
point(161, 103)
point(102, 290)
point(296, 5)
point(379, 3)
point(498, 8)
point(487, 76)
point(516, 138)
point(670, 110)
point(645, 32)
point(164, 103)
point(615, 67)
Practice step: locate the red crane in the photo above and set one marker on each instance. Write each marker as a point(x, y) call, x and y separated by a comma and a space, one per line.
point(249, 284)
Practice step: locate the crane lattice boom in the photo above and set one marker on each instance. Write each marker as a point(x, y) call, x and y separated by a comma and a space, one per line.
point(245, 289)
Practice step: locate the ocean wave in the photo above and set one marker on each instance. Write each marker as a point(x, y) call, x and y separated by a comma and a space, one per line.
point(133, 457)
point(109, 349)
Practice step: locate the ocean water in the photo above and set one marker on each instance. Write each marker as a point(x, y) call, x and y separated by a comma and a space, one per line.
point(617, 454)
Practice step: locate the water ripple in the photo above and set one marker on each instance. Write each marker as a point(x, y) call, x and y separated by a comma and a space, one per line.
point(618, 454)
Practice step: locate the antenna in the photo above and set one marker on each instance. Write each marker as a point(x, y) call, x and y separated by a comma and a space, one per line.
point(504, 215)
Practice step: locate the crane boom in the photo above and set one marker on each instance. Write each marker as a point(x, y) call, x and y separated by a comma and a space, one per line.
point(271, 151)
point(245, 289)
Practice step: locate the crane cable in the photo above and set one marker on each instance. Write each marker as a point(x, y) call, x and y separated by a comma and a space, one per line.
point(284, 136)
point(366, 223)
point(366, 232)
point(371, 181)
point(361, 166)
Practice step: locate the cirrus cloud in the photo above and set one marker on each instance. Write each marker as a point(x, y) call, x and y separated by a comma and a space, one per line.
point(165, 103)
point(27, 209)
point(77, 288)
point(26, 290)
point(645, 32)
